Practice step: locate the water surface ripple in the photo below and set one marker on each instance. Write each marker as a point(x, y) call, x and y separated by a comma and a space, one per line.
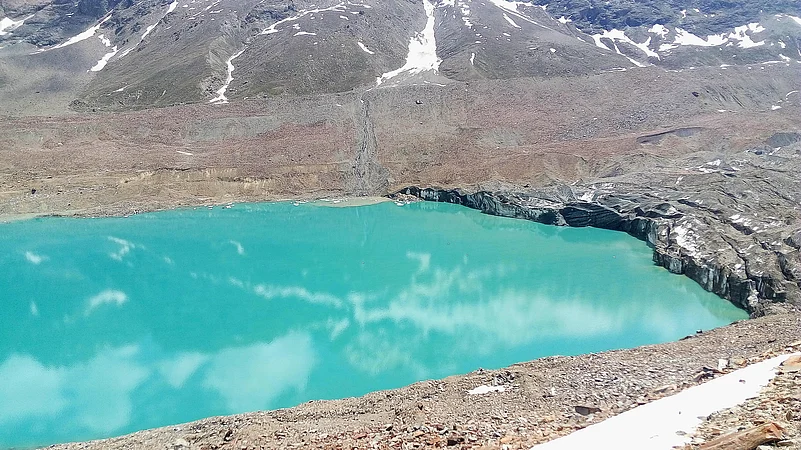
point(118, 324)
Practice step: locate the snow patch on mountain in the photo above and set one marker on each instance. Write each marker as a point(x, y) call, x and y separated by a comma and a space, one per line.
point(104, 60)
point(366, 50)
point(512, 8)
point(7, 24)
point(464, 9)
point(659, 29)
point(511, 22)
point(741, 36)
point(221, 98)
point(83, 35)
point(150, 28)
point(422, 50)
point(104, 40)
point(745, 39)
point(620, 36)
point(339, 7)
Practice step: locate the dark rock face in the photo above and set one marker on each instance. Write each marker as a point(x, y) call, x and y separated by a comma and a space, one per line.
point(96, 8)
point(685, 240)
point(699, 16)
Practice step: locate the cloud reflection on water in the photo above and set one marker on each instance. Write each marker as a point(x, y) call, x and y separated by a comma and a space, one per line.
point(97, 397)
point(207, 331)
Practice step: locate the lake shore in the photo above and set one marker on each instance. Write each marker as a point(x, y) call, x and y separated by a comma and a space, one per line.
point(531, 403)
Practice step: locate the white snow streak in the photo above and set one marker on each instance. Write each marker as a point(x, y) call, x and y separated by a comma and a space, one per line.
point(147, 31)
point(305, 33)
point(339, 7)
point(668, 422)
point(472, 59)
point(422, 50)
point(509, 19)
point(618, 35)
point(221, 98)
point(7, 24)
point(512, 8)
point(104, 60)
point(84, 35)
point(150, 28)
point(366, 50)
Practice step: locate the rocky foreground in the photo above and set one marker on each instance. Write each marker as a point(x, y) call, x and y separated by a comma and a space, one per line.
point(516, 407)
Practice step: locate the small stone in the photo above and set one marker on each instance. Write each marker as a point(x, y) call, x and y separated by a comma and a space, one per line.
point(586, 410)
point(666, 388)
point(791, 365)
point(180, 444)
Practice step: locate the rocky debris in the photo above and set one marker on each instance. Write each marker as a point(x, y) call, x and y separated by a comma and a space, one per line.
point(770, 421)
point(542, 400)
point(750, 438)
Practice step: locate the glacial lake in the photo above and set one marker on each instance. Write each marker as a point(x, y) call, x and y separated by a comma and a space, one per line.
point(114, 325)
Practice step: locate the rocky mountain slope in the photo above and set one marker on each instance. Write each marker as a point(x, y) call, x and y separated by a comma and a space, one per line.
point(117, 55)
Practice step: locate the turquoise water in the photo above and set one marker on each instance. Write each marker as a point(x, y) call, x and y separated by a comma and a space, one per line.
point(118, 324)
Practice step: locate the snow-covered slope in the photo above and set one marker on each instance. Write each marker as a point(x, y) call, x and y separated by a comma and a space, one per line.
point(163, 52)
